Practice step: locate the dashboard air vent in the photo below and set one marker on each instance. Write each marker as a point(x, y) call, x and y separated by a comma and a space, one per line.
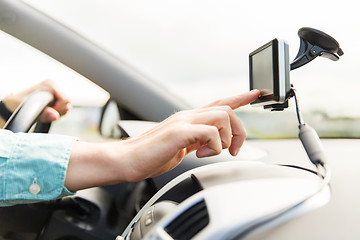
point(189, 223)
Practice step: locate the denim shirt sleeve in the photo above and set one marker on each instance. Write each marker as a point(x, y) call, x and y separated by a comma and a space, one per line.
point(33, 159)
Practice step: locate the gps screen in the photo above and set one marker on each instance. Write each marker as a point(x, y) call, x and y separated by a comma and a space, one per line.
point(262, 71)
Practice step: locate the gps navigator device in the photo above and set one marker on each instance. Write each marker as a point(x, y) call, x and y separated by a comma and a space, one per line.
point(269, 68)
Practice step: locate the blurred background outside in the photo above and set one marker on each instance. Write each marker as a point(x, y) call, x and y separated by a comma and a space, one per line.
point(198, 50)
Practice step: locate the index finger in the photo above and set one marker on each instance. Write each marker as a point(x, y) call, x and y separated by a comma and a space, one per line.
point(237, 101)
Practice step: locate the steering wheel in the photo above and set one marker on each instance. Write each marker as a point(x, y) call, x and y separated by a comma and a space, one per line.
point(28, 113)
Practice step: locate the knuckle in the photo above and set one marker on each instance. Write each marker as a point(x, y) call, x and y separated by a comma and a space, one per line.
point(224, 118)
point(213, 131)
point(227, 111)
point(225, 143)
point(243, 133)
point(227, 108)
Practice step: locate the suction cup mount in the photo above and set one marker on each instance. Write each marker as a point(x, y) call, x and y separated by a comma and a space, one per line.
point(314, 43)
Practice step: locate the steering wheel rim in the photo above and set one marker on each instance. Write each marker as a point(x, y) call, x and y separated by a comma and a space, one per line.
point(28, 113)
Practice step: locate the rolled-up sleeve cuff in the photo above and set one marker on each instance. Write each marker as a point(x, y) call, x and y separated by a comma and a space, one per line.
point(34, 168)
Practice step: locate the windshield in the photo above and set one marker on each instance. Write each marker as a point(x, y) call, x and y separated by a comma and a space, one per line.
point(199, 50)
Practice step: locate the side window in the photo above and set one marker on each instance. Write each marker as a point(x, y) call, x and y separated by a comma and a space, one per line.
point(23, 66)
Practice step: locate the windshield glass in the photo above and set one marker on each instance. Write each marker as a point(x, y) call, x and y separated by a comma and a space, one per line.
point(199, 50)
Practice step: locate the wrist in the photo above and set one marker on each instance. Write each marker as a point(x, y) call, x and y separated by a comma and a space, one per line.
point(96, 164)
point(11, 102)
point(5, 112)
point(121, 155)
point(7, 106)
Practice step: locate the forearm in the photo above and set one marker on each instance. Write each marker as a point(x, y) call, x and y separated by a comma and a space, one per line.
point(96, 164)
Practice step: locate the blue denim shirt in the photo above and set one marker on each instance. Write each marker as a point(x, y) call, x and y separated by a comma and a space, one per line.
point(33, 166)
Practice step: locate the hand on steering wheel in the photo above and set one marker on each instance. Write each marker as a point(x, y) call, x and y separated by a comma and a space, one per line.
point(28, 112)
point(42, 102)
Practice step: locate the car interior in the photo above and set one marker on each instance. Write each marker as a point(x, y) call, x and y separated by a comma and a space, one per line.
point(284, 184)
